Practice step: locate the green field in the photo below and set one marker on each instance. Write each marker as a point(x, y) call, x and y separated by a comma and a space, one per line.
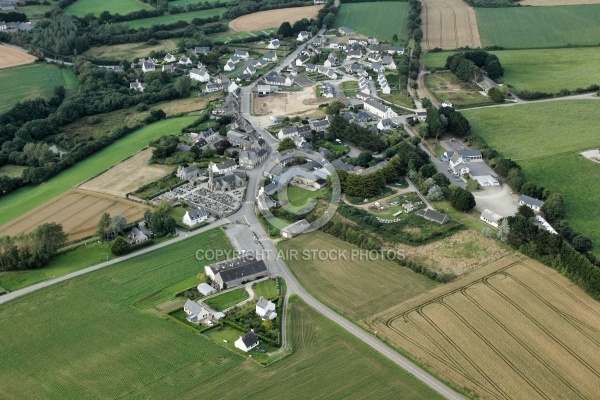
point(446, 86)
point(14, 171)
point(36, 11)
point(298, 196)
point(545, 139)
point(266, 289)
point(25, 199)
point(83, 7)
point(32, 81)
point(382, 20)
point(530, 27)
point(226, 300)
point(355, 287)
point(184, 3)
point(230, 35)
point(169, 19)
point(542, 70)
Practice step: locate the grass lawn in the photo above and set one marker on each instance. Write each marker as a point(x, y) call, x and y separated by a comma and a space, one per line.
point(35, 11)
point(355, 287)
point(298, 196)
point(14, 171)
point(82, 7)
point(184, 3)
point(545, 139)
point(33, 81)
point(446, 86)
point(542, 70)
point(375, 19)
point(25, 199)
point(266, 289)
point(529, 27)
point(350, 85)
point(169, 19)
point(397, 97)
point(226, 300)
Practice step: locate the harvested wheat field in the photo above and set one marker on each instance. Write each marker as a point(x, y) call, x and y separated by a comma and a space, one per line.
point(556, 2)
point(272, 18)
point(11, 57)
point(128, 175)
point(512, 329)
point(77, 210)
point(449, 24)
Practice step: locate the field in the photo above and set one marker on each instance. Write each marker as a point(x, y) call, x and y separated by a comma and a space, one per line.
point(77, 210)
point(230, 35)
point(83, 7)
point(25, 199)
point(449, 24)
point(127, 176)
point(131, 50)
point(184, 3)
point(512, 329)
point(520, 27)
point(556, 2)
point(446, 86)
point(546, 139)
point(32, 81)
point(383, 20)
point(226, 300)
point(35, 12)
point(272, 18)
point(14, 171)
point(95, 341)
point(266, 289)
point(169, 19)
point(298, 196)
point(356, 288)
point(11, 57)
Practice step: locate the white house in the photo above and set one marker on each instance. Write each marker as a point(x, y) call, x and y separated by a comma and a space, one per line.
point(421, 115)
point(389, 63)
point(168, 68)
point(447, 104)
point(230, 66)
point(243, 54)
point(213, 87)
point(458, 166)
point(332, 60)
point(137, 86)
point(194, 217)
point(196, 313)
point(379, 110)
point(266, 309)
point(534, 204)
point(205, 289)
point(226, 166)
point(386, 125)
point(184, 61)
point(250, 70)
point(148, 66)
point(270, 56)
point(2, 26)
point(170, 58)
point(302, 36)
point(273, 44)
point(201, 50)
point(199, 74)
point(302, 59)
point(354, 54)
point(490, 217)
point(247, 342)
point(327, 90)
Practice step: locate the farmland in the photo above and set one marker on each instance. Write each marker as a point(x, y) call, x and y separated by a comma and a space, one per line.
point(230, 35)
point(354, 287)
point(520, 27)
point(272, 18)
point(25, 199)
point(545, 139)
point(185, 3)
point(32, 81)
point(383, 20)
point(83, 7)
point(446, 86)
point(131, 50)
point(449, 24)
point(169, 19)
point(512, 329)
point(11, 57)
point(127, 176)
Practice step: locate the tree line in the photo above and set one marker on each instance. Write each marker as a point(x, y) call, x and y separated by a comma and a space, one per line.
point(467, 65)
point(31, 250)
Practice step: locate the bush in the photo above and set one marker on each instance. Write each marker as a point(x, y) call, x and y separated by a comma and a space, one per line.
point(120, 246)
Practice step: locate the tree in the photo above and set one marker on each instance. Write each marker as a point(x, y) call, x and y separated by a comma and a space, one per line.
point(554, 207)
point(103, 225)
point(441, 180)
point(117, 224)
point(462, 199)
point(504, 165)
point(496, 94)
point(427, 171)
point(335, 107)
point(286, 144)
point(285, 30)
point(525, 211)
point(364, 158)
point(182, 85)
point(503, 230)
point(395, 37)
point(435, 193)
point(267, 324)
point(120, 246)
point(582, 243)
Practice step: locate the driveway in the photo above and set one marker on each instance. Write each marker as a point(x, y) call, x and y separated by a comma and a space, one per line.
point(499, 199)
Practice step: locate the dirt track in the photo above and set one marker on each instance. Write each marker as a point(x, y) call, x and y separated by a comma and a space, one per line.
point(11, 57)
point(272, 18)
point(449, 24)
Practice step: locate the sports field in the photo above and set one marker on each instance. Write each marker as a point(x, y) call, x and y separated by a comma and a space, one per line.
point(78, 211)
point(25, 199)
point(82, 7)
point(529, 27)
point(272, 18)
point(354, 287)
point(382, 20)
point(169, 19)
point(32, 81)
point(542, 70)
point(449, 24)
point(546, 139)
point(512, 329)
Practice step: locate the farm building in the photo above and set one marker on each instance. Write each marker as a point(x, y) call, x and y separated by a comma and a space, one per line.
point(247, 342)
point(205, 289)
point(194, 217)
point(534, 204)
point(345, 31)
point(295, 229)
point(231, 273)
point(434, 216)
point(196, 313)
point(265, 309)
point(490, 217)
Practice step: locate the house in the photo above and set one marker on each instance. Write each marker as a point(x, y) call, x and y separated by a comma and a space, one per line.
point(434, 216)
point(313, 50)
point(302, 59)
point(250, 70)
point(196, 313)
point(372, 40)
point(229, 181)
point(458, 166)
point(232, 88)
point(205, 289)
point(394, 50)
point(194, 217)
point(447, 104)
point(263, 90)
point(234, 272)
point(386, 125)
point(331, 74)
point(229, 66)
point(209, 135)
point(295, 229)
point(148, 66)
point(373, 57)
point(226, 166)
point(339, 164)
point(199, 74)
point(137, 86)
point(168, 68)
point(334, 43)
point(270, 56)
point(266, 309)
point(389, 63)
point(534, 204)
point(138, 236)
point(319, 125)
point(243, 54)
point(378, 109)
point(490, 218)
point(377, 67)
point(201, 51)
point(185, 61)
point(327, 90)
point(318, 1)
point(170, 58)
point(247, 342)
point(332, 60)
point(239, 139)
point(302, 36)
point(273, 78)
point(273, 44)
point(345, 31)
point(421, 116)
point(385, 88)
point(354, 54)
point(249, 159)
point(213, 87)
point(189, 173)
